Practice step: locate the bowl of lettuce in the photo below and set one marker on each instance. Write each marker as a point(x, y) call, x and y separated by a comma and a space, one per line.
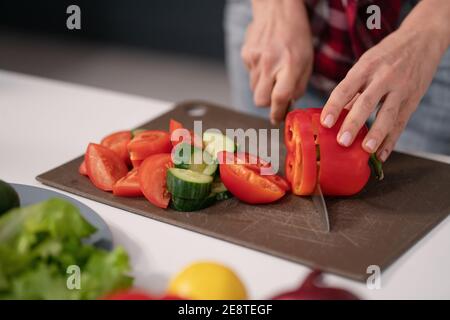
point(43, 255)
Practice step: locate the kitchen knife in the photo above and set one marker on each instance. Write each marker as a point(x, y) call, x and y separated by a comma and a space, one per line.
point(321, 207)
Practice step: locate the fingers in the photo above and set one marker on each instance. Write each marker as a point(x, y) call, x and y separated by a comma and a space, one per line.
point(254, 77)
point(263, 90)
point(361, 110)
point(389, 142)
point(249, 57)
point(349, 105)
point(384, 123)
point(282, 94)
point(340, 97)
point(300, 87)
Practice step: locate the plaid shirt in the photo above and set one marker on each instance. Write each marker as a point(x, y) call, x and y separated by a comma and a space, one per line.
point(341, 36)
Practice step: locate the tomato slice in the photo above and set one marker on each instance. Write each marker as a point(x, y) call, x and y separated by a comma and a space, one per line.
point(174, 125)
point(104, 167)
point(128, 186)
point(136, 163)
point(152, 179)
point(82, 169)
point(148, 143)
point(118, 143)
point(188, 136)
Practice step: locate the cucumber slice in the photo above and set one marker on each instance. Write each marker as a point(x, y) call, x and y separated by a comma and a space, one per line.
point(215, 142)
point(210, 169)
point(197, 160)
point(221, 192)
point(188, 184)
point(9, 199)
point(181, 204)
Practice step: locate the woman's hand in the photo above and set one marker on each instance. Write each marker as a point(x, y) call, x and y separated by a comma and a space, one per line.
point(278, 53)
point(394, 74)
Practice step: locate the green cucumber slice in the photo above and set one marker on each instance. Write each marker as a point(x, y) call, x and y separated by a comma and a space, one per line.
point(9, 199)
point(215, 142)
point(181, 204)
point(210, 169)
point(221, 192)
point(188, 184)
point(197, 160)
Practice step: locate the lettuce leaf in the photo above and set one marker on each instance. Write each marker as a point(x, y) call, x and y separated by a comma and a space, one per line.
point(37, 245)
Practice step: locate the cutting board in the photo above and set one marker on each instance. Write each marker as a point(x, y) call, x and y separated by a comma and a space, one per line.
point(374, 227)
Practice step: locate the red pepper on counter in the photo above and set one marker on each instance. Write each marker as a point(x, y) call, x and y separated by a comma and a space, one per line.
point(314, 156)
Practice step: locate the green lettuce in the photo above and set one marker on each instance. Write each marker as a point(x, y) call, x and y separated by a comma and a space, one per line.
point(38, 243)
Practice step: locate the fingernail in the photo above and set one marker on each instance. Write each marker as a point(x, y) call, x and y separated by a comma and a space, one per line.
point(345, 139)
point(384, 155)
point(371, 144)
point(328, 121)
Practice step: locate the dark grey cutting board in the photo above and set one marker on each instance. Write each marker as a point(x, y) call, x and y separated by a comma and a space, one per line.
point(374, 227)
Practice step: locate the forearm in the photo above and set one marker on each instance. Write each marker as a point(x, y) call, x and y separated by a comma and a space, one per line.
point(431, 17)
point(286, 8)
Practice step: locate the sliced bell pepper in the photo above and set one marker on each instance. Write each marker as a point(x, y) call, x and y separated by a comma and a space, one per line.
point(301, 165)
point(341, 171)
point(241, 175)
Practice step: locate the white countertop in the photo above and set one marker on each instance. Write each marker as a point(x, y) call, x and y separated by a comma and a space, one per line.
point(44, 123)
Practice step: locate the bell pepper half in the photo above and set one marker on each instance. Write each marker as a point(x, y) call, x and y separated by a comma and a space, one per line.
point(314, 156)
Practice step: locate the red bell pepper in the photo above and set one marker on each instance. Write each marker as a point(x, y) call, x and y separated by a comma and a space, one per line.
point(314, 156)
point(241, 175)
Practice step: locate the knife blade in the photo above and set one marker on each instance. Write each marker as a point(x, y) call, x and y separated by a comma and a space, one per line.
point(321, 207)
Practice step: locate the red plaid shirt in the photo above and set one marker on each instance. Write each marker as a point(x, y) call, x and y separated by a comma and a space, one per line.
point(341, 35)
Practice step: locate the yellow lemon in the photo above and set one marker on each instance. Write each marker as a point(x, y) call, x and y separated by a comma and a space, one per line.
point(207, 281)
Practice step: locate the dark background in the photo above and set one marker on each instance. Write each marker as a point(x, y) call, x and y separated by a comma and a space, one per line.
point(192, 27)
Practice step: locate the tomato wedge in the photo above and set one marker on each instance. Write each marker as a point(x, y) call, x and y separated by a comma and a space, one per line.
point(128, 186)
point(152, 179)
point(118, 143)
point(187, 136)
point(82, 169)
point(245, 182)
point(148, 143)
point(136, 163)
point(174, 125)
point(104, 167)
